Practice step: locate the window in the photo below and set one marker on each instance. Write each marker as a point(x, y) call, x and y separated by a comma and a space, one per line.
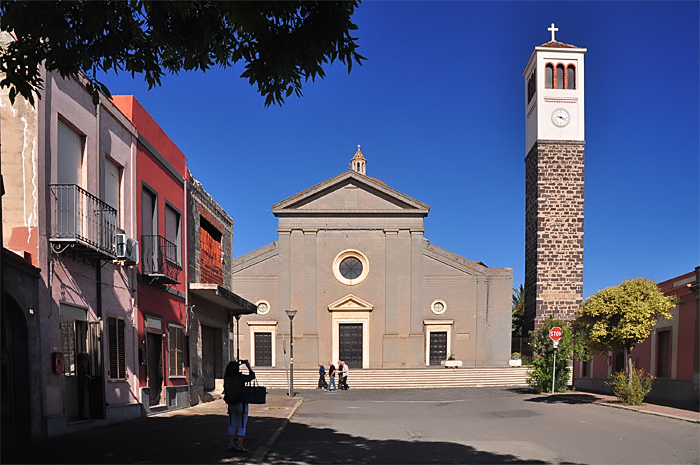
point(571, 77)
point(70, 155)
point(149, 218)
point(531, 86)
point(210, 259)
point(438, 306)
point(663, 361)
point(176, 350)
point(263, 307)
point(549, 76)
point(113, 179)
point(116, 348)
point(560, 76)
point(350, 267)
point(172, 232)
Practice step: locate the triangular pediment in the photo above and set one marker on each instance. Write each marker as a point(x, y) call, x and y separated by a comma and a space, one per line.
point(350, 193)
point(350, 303)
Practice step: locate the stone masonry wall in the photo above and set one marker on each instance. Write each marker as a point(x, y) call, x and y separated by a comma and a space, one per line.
point(554, 185)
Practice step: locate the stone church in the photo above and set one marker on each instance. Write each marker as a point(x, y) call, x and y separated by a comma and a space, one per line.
point(369, 288)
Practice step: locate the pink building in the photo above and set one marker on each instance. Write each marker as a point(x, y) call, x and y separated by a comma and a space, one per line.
point(670, 353)
point(69, 171)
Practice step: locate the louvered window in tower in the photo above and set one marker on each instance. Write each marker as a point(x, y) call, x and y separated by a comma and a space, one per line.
point(176, 351)
point(117, 348)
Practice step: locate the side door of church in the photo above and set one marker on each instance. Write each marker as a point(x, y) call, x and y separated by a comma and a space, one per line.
point(438, 347)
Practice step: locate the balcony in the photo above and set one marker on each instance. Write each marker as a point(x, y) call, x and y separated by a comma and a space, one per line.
point(159, 260)
point(83, 222)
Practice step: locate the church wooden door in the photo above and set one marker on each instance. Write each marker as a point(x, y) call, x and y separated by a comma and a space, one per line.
point(263, 349)
point(350, 350)
point(438, 347)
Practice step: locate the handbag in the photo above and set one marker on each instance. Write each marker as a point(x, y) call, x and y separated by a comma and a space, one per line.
point(255, 394)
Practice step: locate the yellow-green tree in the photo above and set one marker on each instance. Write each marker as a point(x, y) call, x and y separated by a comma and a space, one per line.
point(620, 317)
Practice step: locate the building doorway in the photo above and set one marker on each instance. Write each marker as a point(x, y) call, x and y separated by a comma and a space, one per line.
point(263, 349)
point(154, 368)
point(350, 344)
point(438, 347)
point(208, 358)
point(14, 375)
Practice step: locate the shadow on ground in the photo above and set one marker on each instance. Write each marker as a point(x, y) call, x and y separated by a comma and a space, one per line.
point(174, 439)
point(305, 444)
point(571, 398)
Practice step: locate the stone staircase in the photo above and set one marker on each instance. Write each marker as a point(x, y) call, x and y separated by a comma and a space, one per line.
point(404, 378)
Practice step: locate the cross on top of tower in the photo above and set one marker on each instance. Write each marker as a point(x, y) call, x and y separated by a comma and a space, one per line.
point(553, 29)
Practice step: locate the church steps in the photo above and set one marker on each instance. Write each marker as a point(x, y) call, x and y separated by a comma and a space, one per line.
point(275, 378)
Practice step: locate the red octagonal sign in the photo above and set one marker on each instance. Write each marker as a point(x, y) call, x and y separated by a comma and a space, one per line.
point(556, 333)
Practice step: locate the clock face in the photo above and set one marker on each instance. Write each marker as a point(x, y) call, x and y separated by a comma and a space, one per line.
point(560, 117)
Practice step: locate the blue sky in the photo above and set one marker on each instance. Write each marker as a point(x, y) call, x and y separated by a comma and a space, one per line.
point(439, 109)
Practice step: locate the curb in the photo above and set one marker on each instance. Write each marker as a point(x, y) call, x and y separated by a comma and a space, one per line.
point(658, 414)
point(262, 451)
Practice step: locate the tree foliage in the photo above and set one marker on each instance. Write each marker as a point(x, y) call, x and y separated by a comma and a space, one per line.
point(540, 376)
point(619, 317)
point(518, 310)
point(281, 43)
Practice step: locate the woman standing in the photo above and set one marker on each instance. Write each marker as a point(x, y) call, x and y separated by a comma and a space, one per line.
point(234, 395)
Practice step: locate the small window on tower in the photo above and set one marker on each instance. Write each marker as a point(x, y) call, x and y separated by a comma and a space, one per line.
point(571, 77)
point(549, 78)
point(560, 76)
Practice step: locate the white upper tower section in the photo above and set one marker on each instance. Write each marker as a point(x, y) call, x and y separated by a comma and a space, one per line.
point(358, 162)
point(554, 93)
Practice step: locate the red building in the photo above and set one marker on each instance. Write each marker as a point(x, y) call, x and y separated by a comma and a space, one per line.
point(671, 353)
point(161, 201)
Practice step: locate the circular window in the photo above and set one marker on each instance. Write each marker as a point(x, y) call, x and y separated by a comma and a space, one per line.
point(350, 267)
point(438, 306)
point(263, 307)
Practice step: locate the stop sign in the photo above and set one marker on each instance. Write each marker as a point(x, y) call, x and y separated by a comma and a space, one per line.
point(556, 333)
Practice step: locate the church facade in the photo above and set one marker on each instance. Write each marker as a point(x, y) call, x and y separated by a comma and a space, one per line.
point(368, 287)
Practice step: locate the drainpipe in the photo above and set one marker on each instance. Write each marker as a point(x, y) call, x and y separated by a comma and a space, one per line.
point(186, 265)
point(98, 270)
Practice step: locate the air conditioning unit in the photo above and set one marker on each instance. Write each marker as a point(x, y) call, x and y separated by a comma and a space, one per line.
point(127, 249)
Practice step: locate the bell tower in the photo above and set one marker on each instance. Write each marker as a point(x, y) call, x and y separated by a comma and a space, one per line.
point(554, 181)
point(359, 163)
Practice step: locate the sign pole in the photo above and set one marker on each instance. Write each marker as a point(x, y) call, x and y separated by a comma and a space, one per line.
point(554, 367)
point(555, 334)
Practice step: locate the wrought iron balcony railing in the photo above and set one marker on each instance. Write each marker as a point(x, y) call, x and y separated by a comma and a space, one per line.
point(82, 221)
point(159, 259)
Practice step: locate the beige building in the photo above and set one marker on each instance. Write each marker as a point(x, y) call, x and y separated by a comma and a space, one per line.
point(369, 288)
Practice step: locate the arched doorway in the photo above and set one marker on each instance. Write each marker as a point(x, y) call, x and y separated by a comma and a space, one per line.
point(14, 376)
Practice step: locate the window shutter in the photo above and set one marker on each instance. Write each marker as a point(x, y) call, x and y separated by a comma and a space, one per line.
point(172, 350)
point(121, 348)
point(117, 347)
point(172, 229)
point(112, 183)
point(113, 347)
point(70, 154)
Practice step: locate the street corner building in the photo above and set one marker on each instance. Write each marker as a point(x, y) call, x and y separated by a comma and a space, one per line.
point(369, 288)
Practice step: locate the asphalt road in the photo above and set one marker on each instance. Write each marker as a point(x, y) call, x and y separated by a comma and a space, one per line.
point(486, 425)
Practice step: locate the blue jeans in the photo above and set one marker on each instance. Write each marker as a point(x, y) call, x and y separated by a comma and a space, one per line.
point(237, 419)
point(331, 382)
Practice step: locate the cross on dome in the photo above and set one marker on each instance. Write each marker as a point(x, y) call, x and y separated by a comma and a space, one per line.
point(553, 29)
